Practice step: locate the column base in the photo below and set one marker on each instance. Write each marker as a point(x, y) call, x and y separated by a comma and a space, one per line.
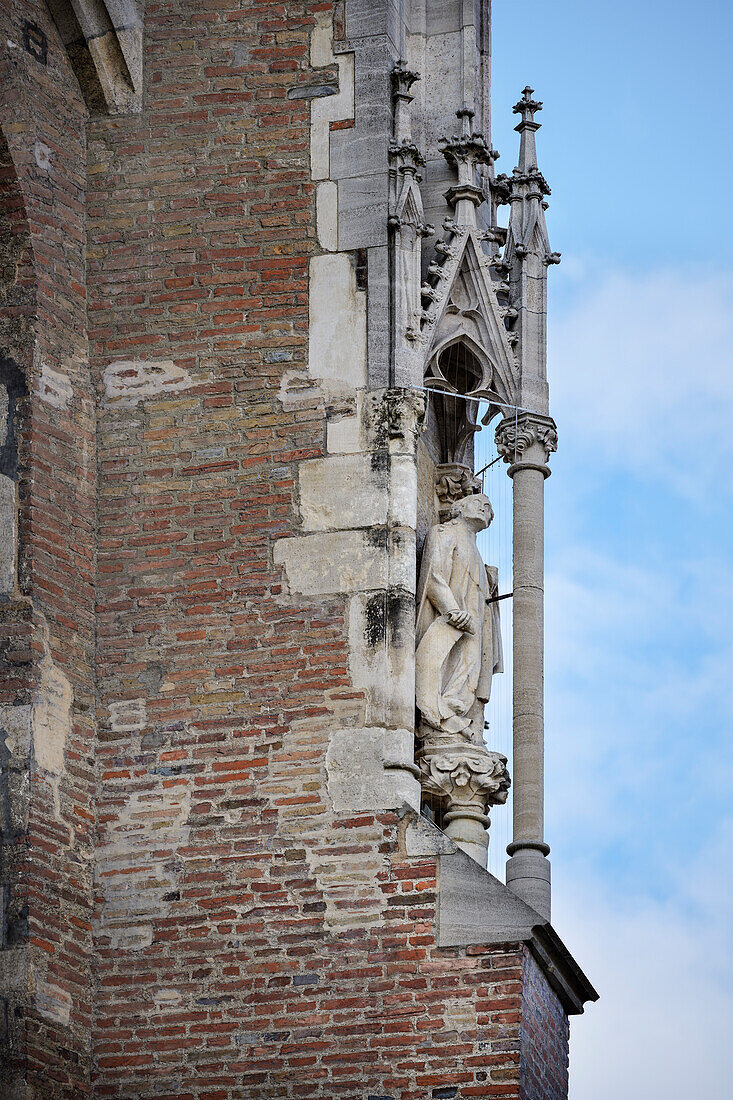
point(528, 874)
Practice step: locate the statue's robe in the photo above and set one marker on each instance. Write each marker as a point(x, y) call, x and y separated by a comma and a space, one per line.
point(454, 668)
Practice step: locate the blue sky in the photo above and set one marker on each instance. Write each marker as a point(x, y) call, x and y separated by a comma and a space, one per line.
point(636, 147)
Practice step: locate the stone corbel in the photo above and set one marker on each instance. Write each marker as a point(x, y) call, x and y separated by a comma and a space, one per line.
point(453, 481)
point(467, 780)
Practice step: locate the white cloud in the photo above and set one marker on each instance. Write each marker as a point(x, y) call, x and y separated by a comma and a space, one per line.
point(639, 700)
point(661, 1030)
point(639, 690)
point(641, 369)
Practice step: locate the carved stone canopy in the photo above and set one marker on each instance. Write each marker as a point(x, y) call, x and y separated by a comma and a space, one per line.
point(466, 307)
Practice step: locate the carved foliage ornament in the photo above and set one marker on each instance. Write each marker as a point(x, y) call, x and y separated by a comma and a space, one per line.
point(515, 435)
point(470, 776)
point(453, 481)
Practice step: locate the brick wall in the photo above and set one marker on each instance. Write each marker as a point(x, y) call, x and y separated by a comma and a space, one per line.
point(248, 940)
point(201, 226)
point(47, 622)
point(545, 1037)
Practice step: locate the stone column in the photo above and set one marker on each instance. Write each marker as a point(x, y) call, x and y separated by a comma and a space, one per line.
point(525, 442)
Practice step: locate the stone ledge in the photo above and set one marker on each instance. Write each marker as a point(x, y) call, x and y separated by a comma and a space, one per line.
point(474, 907)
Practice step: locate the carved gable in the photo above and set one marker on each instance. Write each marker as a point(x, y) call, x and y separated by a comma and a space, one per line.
point(465, 308)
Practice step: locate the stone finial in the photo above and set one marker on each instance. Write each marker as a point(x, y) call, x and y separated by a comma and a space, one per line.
point(402, 81)
point(406, 155)
point(527, 108)
point(465, 152)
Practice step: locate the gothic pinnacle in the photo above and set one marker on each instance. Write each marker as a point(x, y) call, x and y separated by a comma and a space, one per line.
point(527, 108)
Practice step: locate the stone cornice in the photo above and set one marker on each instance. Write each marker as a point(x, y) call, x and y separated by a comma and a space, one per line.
point(475, 908)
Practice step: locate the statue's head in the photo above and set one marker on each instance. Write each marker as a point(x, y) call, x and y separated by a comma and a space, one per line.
point(475, 510)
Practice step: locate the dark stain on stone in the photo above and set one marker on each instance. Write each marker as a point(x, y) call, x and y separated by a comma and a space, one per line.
point(313, 91)
point(400, 616)
point(380, 465)
point(375, 620)
point(377, 537)
point(14, 384)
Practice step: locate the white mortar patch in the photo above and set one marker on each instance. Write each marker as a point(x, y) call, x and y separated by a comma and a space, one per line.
point(350, 884)
point(167, 998)
point(127, 715)
point(54, 387)
point(129, 381)
point(297, 390)
point(144, 840)
point(15, 729)
point(51, 720)
point(131, 937)
point(53, 1002)
point(42, 153)
point(460, 1015)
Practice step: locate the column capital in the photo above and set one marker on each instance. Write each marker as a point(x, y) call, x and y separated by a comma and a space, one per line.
point(526, 441)
point(467, 779)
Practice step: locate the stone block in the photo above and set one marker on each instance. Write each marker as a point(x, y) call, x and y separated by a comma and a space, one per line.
point(8, 533)
point(364, 772)
point(331, 562)
point(342, 492)
point(337, 349)
point(361, 206)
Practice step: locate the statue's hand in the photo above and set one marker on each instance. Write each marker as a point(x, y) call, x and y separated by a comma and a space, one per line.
point(461, 620)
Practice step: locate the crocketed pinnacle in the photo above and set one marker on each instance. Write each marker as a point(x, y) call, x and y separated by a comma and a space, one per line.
point(527, 108)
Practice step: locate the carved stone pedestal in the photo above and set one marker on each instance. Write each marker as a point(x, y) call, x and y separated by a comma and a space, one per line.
point(466, 780)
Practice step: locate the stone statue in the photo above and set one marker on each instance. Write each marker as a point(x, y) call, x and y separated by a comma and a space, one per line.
point(458, 636)
point(458, 652)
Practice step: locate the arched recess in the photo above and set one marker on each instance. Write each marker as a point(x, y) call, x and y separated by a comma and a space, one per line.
point(104, 41)
point(17, 314)
point(459, 372)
